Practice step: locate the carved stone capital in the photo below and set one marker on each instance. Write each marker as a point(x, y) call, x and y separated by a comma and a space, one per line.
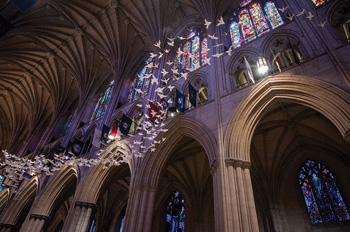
point(214, 167)
point(8, 226)
point(230, 162)
point(40, 217)
point(85, 205)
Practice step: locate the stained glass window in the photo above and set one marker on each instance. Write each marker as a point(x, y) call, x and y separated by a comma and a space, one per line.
point(140, 85)
point(235, 36)
point(195, 51)
point(258, 19)
point(122, 224)
point(247, 26)
point(102, 104)
point(92, 227)
point(194, 54)
point(245, 2)
point(322, 197)
point(319, 2)
point(273, 15)
point(186, 59)
point(175, 213)
point(204, 50)
point(69, 122)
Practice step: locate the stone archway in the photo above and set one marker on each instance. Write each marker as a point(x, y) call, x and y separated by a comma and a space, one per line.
point(325, 98)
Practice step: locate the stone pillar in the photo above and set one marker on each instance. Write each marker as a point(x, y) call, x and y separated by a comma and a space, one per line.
point(81, 218)
point(7, 228)
point(217, 192)
point(140, 208)
point(242, 204)
point(37, 223)
point(234, 206)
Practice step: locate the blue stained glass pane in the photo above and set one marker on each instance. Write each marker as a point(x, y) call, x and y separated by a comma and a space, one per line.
point(140, 85)
point(122, 224)
point(175, 213)
point(69, 122)
point(324, 204)
point(92, 227)
point(102, 103)
point(321, 194)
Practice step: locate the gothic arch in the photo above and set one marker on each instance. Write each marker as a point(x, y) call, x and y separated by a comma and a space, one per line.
point(153, 163)
point(56, 189)
point(325, 98)
point(94, 181)
point(25, 196)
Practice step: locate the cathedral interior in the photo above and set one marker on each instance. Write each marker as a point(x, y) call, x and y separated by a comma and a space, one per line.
point(174, 115)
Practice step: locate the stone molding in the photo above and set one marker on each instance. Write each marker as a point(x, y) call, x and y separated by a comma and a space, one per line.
point(84, 205)
point(10, 226)
point(40, 217)
point(238, 163)
point(214, 167)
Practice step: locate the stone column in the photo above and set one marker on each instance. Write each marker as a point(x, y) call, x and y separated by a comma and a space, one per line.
point(250, 197)
point(140, 208)
point(241, 203)
point(37, 223)
point(81, 217)
point(7, 228)
point(234, 206)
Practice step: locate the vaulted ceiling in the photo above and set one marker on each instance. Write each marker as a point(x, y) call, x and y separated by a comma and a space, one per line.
point(59, 53)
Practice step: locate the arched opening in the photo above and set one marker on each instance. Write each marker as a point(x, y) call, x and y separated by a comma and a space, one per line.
point(185, 177)
point(62, 204)
point(112, 200)
point(287, 135)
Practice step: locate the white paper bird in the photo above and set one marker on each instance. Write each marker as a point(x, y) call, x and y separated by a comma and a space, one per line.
point(179, 52)
point(213, 36)
point(139, 105)
point(157, 44)
point(290, 17)
point(154, 80)
point(152, 55)
point(169, 62)
point(159, 90)
point(170, 87)
point(161, 95)
point(182, 38)
point(166, 80)
point(160, 55)
point(207, 61)
point(322, 24)
point(310, 16)
point(205, 50)
point(166, 50)
point(301, 13)
point(171, 43)
point(229, 51)
point(217, 55)
point(175, 71)
point(184, 75)
point(218, 45)
point(206, 23)
point(164, 72)
point(283, 9)
point(138, 90)
point(221, 22)
point(171, 39)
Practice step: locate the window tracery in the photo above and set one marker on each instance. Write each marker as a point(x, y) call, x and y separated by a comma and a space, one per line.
point(319, 2)
point(194, 54)
point(102, 103)
point(254, 22)
point(321, 194)
point(140, 85)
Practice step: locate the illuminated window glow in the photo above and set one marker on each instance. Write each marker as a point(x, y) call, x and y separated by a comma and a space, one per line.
point(102, 104)
point(322, 196)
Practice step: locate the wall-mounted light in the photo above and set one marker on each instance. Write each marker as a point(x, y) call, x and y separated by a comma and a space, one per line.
point(172, 111)
point(262, 65)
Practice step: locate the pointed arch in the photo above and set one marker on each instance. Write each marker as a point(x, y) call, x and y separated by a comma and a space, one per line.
point(323, 97)
point(56, 189)
point(148, 172)
point(23, 199)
